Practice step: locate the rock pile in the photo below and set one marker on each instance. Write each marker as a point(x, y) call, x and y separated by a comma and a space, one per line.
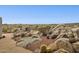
point(66, 40)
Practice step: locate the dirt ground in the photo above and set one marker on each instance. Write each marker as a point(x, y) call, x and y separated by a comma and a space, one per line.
point(7, 45)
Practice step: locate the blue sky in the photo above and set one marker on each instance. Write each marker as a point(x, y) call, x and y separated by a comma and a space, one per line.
point(39, 14)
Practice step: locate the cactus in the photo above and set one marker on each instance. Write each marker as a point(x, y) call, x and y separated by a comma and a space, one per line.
point(43, 49)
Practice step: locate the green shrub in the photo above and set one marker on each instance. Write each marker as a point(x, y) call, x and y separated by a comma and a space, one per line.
point(15, 30)
point(5, 29)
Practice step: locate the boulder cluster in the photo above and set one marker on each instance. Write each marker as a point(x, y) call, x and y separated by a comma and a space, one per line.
point(66, 40)
point(25, 39)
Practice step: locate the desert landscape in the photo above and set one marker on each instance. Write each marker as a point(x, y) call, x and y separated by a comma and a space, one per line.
point(40, 38)
point(39, 29)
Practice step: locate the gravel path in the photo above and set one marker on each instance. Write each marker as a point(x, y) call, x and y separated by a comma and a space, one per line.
point(7, 45)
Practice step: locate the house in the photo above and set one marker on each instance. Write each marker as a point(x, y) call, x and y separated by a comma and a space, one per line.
point(0, 26)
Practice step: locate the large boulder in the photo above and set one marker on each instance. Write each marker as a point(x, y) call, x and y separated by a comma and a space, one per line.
point(64, 44)
point(72, 40)
point(76, 33)
point(37, 50)
point(61, 51)
point(16, 35)
point(62, 35)
point(53, 34)
point(27, 41)
point(34, 32)
point(76, 47)
point(52, 47)
point(60, 45)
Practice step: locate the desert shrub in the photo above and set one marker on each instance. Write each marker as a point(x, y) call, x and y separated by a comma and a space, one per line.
point(16, 35)
point(65, 36)
point(48, 37)
point(0, 37)
point(26, 29)
point(34, 36)
point(5, 29)
point(43, 29)
point(15, 30)
point(29, 34)
point(3, 36)
point(50, 32)
point(44, 34)
point(54, 36)
point(22, 35)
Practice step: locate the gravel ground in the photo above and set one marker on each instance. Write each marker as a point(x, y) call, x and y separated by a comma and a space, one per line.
point(7, 45)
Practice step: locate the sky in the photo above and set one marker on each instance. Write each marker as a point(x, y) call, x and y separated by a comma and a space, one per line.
point(39, 14)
